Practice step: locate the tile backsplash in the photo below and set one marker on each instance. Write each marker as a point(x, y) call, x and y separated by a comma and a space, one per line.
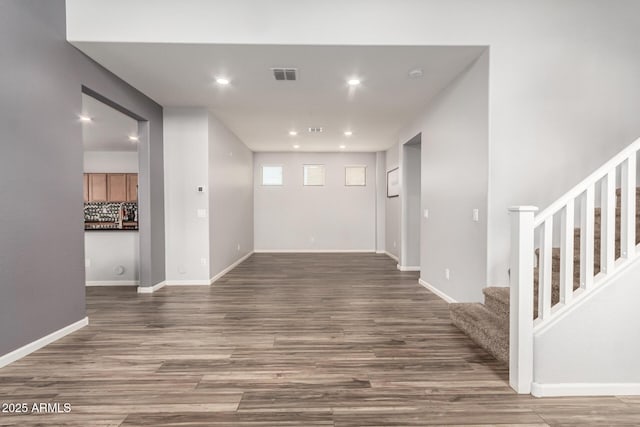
point(110, 212)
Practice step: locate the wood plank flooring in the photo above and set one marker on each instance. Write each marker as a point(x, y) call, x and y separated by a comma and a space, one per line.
point(283, 340)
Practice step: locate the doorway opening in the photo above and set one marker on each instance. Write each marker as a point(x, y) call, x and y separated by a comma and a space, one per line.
point(110, 183)
point(411, 204)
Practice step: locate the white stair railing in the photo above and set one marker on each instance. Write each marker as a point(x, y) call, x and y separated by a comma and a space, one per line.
point(525, 226)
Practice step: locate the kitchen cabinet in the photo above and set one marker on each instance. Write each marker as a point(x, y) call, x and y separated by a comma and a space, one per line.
point(117, 187)
point(98, 187)
point(110, 187)
point(132, 187)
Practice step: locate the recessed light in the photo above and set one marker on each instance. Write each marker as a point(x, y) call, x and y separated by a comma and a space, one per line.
point(293, 133)
point(222, 81)
point(416, 73)
point(133, 138)
point(348, 133)
point(353, 82)
point(85, 119)
point(296, 146)
point(342, 147)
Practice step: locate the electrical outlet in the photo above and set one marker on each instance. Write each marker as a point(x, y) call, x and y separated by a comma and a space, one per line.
point(312, 239)
point(202, 213)
point(476, 215)
point(394, 244)
point(203, 261)
point(447, 273)
point(87, 262)
point(182, 269)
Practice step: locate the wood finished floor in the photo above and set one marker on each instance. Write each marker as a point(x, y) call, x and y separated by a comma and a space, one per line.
point(283, 340)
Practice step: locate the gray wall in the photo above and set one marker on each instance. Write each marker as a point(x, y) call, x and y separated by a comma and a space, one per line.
point(332, 217)
point(230, 197)
point(201, 151)
point(42, 279)
point(393, 242)
point(454, 182)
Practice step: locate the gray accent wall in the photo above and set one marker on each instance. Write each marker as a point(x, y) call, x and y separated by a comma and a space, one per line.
point(333, 217)
point(42, 278)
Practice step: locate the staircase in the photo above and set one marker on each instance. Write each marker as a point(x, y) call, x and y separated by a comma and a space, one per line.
point(488, 324)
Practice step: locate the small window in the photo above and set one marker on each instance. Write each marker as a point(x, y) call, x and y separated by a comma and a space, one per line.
point(355, 176)
point(271, 175)
point(314, 175)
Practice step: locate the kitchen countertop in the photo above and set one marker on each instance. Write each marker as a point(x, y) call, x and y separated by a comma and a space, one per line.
point(128, 226)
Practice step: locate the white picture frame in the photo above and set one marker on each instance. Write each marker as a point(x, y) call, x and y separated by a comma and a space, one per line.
point(393, 183)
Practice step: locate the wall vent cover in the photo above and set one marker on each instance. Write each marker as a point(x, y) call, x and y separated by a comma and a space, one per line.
point(285, 74)
point(315, 130)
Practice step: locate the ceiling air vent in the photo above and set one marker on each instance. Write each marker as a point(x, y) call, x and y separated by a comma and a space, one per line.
point(285, 73)
point(315, 130)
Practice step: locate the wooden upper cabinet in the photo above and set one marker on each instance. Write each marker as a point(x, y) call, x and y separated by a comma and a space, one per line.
point(132, 187)
point(117, 187)
point(98, 187)
point(85, 187)
point(110, 187)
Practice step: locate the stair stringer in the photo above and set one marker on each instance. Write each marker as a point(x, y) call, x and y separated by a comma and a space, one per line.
point(592, 346)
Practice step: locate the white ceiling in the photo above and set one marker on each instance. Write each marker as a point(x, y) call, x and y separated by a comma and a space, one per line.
point(108, 130)
point(261, 111)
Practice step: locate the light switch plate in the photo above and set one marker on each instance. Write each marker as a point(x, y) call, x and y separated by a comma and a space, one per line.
point(426, 213)
point(476, 215)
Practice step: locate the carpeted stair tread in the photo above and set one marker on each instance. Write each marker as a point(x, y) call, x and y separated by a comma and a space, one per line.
point(488, 324)
point(496, 300)
point(485, 328)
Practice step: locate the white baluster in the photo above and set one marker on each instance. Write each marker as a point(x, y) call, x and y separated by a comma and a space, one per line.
point(586, 239)
point(544, 281)
point(608, 222)
point(628, 207)
point(521, 299)
point(566, 252)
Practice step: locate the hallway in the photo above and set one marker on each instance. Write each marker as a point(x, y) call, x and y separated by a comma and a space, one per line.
point(284, 339)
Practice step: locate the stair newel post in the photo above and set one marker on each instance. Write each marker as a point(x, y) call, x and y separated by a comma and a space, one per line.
point(521, 298)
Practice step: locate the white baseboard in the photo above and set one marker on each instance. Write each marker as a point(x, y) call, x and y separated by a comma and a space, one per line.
point(229, 268)
point(407, 267)
point(380, 252)
point(392, 256)
point(211, 280)
point(113, 283)
point(39, 343)
point(436, 291)
point(186, 283)
point(313, 251)
point(151, 289)
point(585, 389)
